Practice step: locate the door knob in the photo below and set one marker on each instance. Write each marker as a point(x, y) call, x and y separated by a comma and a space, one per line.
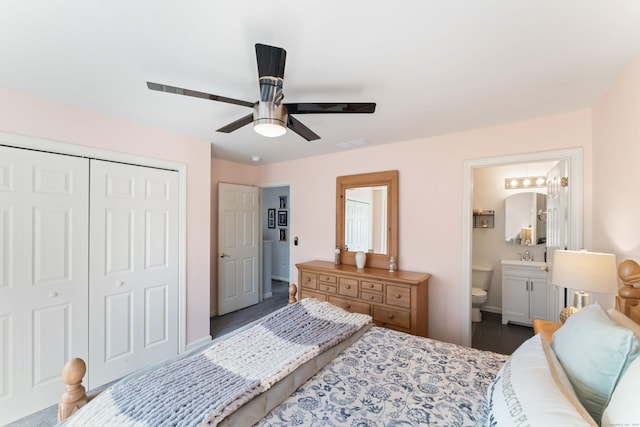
point(222, 255)
point(119, 283)
point(53, 294)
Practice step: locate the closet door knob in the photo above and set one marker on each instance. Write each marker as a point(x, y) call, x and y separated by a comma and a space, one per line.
point(119, 283)
point(53, 294)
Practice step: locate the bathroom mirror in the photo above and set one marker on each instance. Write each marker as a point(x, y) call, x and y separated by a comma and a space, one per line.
point(367, 217)
point(525, 220)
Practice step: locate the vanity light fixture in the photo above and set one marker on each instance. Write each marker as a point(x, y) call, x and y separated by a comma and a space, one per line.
point(525, 182)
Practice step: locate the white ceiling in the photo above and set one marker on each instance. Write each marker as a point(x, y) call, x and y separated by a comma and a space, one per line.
point(432, 67)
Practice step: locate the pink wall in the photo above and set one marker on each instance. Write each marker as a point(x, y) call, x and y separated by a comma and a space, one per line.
point(26, 115)
point(616, 171)
point(431, 171)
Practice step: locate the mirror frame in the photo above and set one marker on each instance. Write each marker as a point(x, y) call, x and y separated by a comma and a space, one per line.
point(388, 178)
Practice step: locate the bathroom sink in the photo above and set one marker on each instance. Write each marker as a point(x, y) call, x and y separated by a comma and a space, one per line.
point(526, 263)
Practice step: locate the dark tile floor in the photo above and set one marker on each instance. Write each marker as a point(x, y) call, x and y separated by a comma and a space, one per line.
point(491, 334)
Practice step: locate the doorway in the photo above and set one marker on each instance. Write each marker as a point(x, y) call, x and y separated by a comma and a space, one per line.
point(574, 158)
point(276, 236)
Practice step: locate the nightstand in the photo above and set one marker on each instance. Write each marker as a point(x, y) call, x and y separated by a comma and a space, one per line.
point(546, 328)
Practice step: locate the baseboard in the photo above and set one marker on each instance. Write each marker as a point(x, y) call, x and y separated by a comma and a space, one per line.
point(489, 309)
point(267, 295)
point(198, 343)
point(282, 279)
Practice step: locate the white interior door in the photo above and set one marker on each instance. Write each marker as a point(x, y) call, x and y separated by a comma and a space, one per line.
point(238, 247)
point(43, 275)
point(557, 228)
point(133, 269)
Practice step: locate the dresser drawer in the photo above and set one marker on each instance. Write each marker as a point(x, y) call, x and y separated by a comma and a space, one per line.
point(368, 296)
point(327, 278)
point(371, 286)
point(388, 316)
point(399, 296)
point(310, 294)
point(400, 300)
point(351, 306)
point(348, 287)
point(331, 289)
point(309, 280)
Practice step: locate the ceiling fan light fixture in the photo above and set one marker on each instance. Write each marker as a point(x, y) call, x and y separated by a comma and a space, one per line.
point(271, 128)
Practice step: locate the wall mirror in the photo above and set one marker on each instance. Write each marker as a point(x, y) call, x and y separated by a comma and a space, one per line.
point(525, 220)
point(367, 217)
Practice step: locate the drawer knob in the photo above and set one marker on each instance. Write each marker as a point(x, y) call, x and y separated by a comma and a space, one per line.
point(348, 306)
point(397, 295)
point(326, 288)
point(348, 286)
point(390, 315)
point(370, 296)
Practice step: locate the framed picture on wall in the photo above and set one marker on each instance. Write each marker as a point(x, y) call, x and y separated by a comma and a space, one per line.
point(283, 234)
point(271, 218)
point(282, 218)
point(283, 202)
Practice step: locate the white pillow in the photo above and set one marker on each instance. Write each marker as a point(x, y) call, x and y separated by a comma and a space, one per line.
point(532, 389)
point(623, 408)
point(594, 353)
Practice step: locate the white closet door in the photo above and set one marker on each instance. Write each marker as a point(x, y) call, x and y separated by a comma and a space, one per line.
point(133, 269)
point(43, 275)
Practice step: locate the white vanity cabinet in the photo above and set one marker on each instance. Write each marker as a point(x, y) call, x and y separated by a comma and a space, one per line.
point(525, 292)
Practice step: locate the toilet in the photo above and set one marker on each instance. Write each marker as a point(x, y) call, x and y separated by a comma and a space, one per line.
point(480, 281)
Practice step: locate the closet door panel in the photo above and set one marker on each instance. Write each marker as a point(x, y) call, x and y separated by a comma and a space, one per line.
point(50, 342)
point(119, 326)
point(44, 272)
point(134, 233)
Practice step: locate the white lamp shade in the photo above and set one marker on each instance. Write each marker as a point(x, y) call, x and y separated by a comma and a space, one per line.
point(587, 271)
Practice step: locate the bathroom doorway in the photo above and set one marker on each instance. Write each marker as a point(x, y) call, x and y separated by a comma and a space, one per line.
point(574, 159)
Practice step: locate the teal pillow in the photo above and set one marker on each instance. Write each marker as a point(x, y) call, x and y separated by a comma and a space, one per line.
point(594, 353)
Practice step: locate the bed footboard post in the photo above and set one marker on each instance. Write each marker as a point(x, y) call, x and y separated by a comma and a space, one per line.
point(293, 290)
point(75, 395)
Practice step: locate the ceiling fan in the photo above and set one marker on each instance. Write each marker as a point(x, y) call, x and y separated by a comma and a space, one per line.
point(270, 116)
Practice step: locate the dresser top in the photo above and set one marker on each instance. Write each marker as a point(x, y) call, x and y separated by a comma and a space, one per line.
point(379, 273)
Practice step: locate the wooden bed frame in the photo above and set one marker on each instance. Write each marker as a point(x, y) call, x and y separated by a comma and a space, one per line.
point(75, 396)
point(628, 298)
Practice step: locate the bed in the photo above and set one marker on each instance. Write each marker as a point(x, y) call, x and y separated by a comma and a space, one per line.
point(330, 367)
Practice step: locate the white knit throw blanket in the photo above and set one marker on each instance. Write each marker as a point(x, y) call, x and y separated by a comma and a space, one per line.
point(205, 387)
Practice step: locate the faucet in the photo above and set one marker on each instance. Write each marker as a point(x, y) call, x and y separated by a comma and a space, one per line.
point(526, 256)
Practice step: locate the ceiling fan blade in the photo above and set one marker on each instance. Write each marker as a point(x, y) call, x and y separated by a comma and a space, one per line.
point(237, 124)
point(297, 126)
point(196, 94)
point(326, 107)
point(271, 60)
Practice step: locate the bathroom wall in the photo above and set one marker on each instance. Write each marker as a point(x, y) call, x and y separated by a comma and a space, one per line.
point(489, 246)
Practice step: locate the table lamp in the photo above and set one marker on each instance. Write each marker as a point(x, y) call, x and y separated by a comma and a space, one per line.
point(586, 271)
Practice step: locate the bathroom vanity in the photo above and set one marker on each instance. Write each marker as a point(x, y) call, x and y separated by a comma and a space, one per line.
point(525, 292)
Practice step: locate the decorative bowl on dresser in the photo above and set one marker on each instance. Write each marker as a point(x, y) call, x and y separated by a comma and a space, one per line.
point(396, 300)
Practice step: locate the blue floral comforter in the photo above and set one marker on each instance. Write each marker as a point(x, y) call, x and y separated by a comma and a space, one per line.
point(389, 378)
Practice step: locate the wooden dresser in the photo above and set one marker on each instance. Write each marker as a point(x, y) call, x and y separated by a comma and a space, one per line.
point(396, 300)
